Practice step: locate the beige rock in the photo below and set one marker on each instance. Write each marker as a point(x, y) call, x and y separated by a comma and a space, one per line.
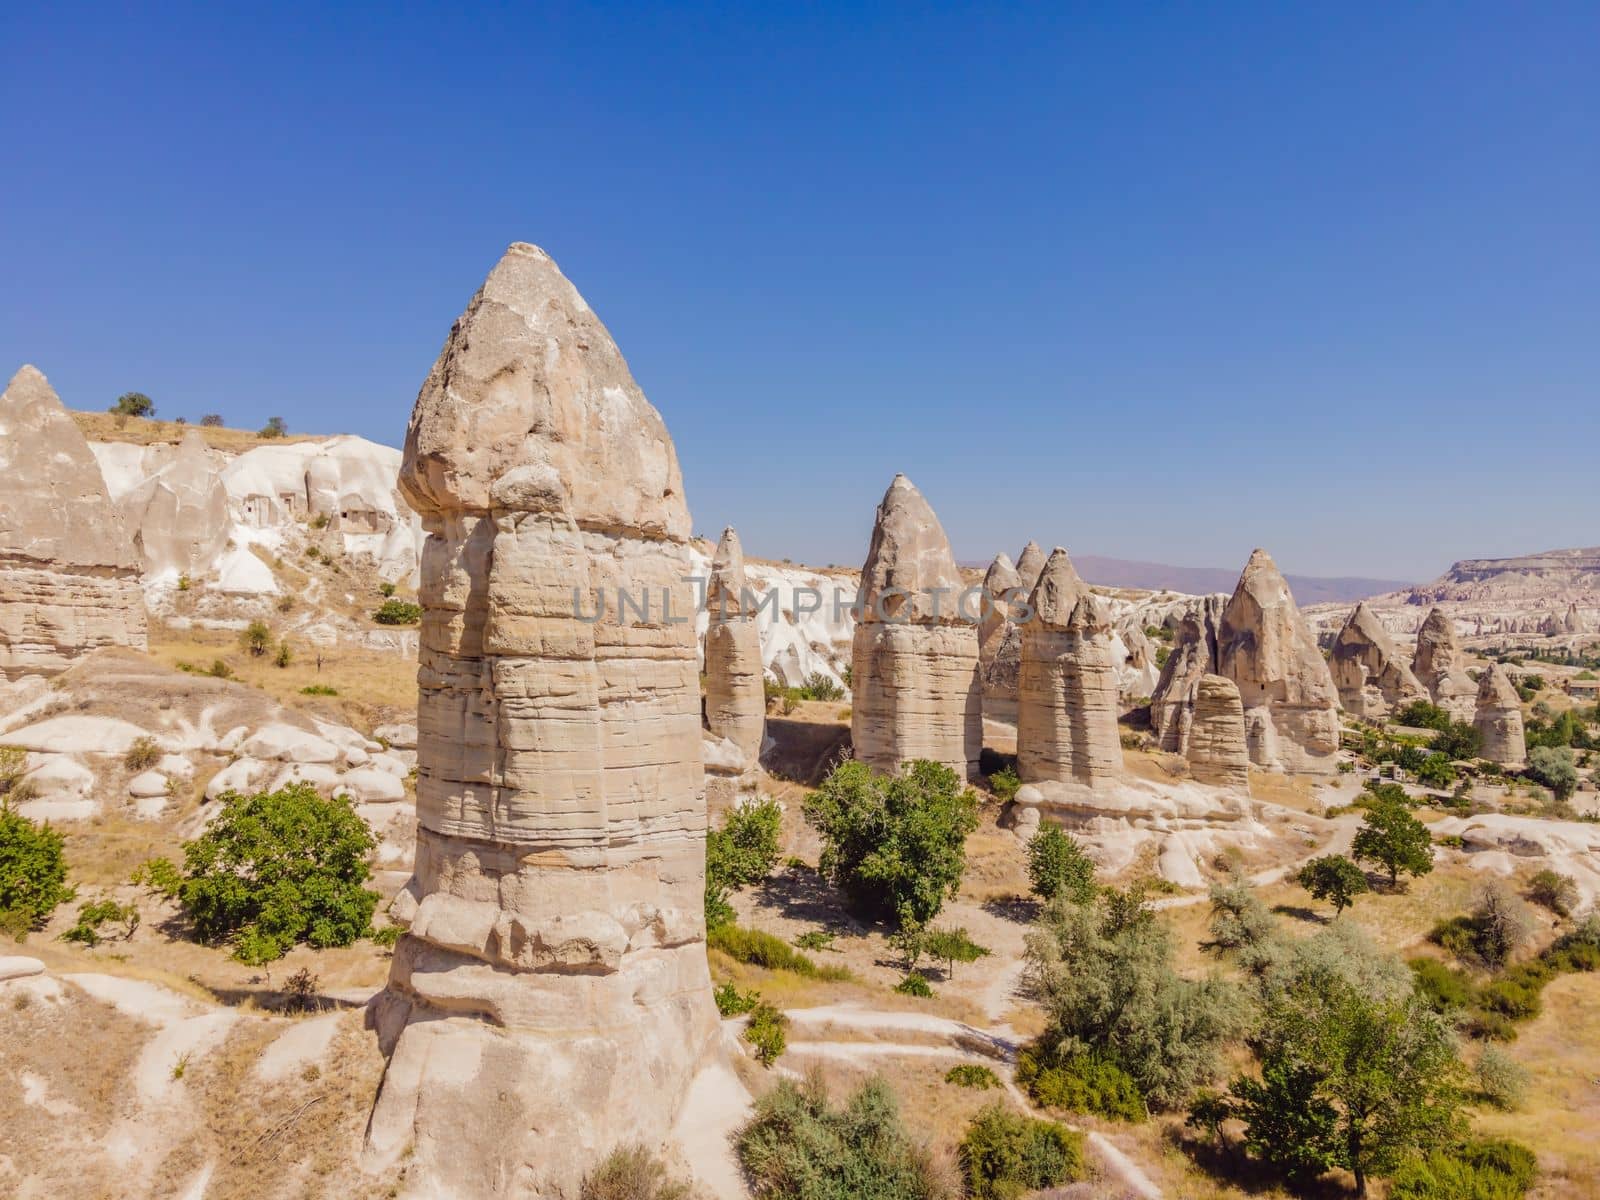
point(1030, 563)
point(1372, 679)
point(1067, 704)
point(1498, 716)
point(1217, 752)
point(1263, 645)
point(69, 575)
point(1440, 666)
point(551, 1000)
point(914, 672)
point(735, 699)
point(179, 516)
point(1192, 657)
point(1000, 640)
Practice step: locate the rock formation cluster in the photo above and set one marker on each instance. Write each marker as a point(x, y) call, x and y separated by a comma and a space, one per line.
point(550, 1000)
point(1498, 717)
point(69, 574)
point(914, 657)
point(1262, 644)
point(1067, 695)
point(179, 516)
point(1373, 680)
point(1439, 666)
point(1216, 751)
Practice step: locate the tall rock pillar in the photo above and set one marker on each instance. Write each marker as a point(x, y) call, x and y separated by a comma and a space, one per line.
point(914, 657)
point(736, 705)
point(550, 999)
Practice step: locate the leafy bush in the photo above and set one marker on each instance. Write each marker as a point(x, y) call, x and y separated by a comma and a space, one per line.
point(1239, 921)
point(276, 427)
point(971, 1075)
point(1436, 771)
point(731, 1002)
point(220, 669)
point(819, 686)
point(951, 946)
point(894, 844)
point(1421, 715)
point(798, 1146)
point(398, 612)
point(1004, 784)
point(1444, 988)
point(1482, 1170)
point(1057, 866)
point(278, 868)
point(212, 420)
point(283, 657)
point(97, 913)
point(134, 404)
point(1086, 1083)
point(1458, 740)
point(1554, 767)
point(1502, 1080)
point(318, 689)
point(1006, 1154)
point(142, 754)
point(915, 984)
point(761, 949)
point(1104, 974)
point(741, 853)
point(1555, 891)
point(1333, 878)
point(631, 1173)
point(815, 939)
point(1395, 840)
point(33, 871)
point(766, 1031)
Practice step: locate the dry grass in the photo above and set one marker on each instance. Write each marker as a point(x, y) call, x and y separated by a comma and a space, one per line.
point(110, 427)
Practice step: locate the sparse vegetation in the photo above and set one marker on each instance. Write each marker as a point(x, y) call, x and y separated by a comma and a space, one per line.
point(731, 1002)
point(631, 1173)
point(318, 689)
point(212, 421)
point(951, 946)
point(895, 845)
point(398, 612)
point(1004, 784)
point(94, 916)
point(219, 669)
point(283, 657)
point(143, 754)
point(915, 984)
point(761, 949)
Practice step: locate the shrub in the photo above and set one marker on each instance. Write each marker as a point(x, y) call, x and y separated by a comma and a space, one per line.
point(220, 669)
point(1057, 866)
point(398, 612)
point(276, 427)
point(142, 754)
point(1395, 840)
point(284, 656)
point(1333, 878)
point(318, 689)
point(1422, 715)
point(33, 871)
point(819, 686)
point(1004, 784)
point(320, 521)
point(1458, 740)
point(1554, 767)
point(815, 939)
point(731, 1002)
point(1502, 1080)
point(278, 868)
point(971, 1075)
point(951, 946)
point(1485, 1170)
point(799, 1146)
point(96, 914)
point(741, 853)
point(761, 949)
point(766, 1032)
point(1444, 988)
point(1555, 891)
point(386, 588)
point(915, 984)
point(1503, 922)
point(134, 404)
point(631, 1173)
point(212, 420)
point(1086, 1083)
point(1436, 771)
point(1514, 999)
point(1239, 921)
point(1006, 1154)
point(184, 583)
point(895, 844)
point(257, 638)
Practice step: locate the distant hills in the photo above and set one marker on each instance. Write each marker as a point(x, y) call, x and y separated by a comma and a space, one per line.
point(1308, 589)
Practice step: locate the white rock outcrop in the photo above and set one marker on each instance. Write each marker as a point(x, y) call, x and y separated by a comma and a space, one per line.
point(69, 574)
point(551, 999)
point(914, 660)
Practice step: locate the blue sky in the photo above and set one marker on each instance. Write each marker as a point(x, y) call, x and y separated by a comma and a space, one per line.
point(1160, 282)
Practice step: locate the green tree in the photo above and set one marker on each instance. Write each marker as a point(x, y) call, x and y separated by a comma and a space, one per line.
point(1057, 866)
point(1458, 740)
point(1239, 921)
point(894, 844)
point(1105, 976)
point(740, 854)
point(257, 638)
point(1395, 840)
point(951, 946)
point(134, 404)
point(1333, 878)
point(1436, 771)
point(1006, 1154)
point(33, 872)
point(1554, 767)
point(212, 421)
point(1420, 714)
point(276, 427)
point(1349, 1077)
point(278, 868)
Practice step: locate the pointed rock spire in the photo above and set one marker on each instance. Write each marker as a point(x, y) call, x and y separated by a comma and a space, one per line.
point(999, 641)
point(914, 659)
point(1029, 564)
point(1372, 679)
point(1498, 717)
point(1440, 666)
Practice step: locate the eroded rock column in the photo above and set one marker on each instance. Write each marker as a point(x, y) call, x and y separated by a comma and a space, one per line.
point(1498, 717)
point(551, 999)
point(1000, 640)
point(914, 657)
point(1440, 667)
point(1373, 680)
point(1067, 705)
point(1216, 751)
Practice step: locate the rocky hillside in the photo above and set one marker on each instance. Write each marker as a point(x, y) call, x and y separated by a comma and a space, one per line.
point(1547, 579)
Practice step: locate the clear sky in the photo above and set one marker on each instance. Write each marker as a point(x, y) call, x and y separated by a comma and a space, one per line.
point(1152, 281)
